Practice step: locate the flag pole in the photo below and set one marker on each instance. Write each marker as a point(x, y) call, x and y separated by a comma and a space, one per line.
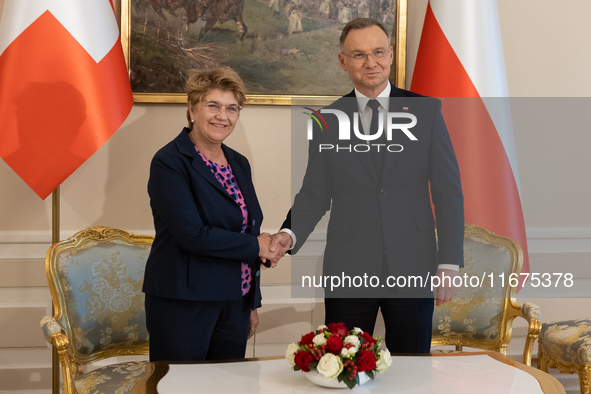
point(55, 237)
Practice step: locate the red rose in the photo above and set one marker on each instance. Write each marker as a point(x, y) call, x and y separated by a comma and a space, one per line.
point(334, 344)
point(338, 329)
point(368, 338)
point(366, 361)
point(303, 359)
point(307, 339)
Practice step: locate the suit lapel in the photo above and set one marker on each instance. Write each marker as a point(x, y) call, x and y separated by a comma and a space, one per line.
point(186, 147)
point(394, 106)
point(243, 180)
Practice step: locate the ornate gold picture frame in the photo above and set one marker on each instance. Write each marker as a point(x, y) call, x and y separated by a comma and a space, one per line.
point(282, 49)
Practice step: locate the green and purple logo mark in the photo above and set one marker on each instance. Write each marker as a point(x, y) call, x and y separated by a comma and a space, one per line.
point(316, 116)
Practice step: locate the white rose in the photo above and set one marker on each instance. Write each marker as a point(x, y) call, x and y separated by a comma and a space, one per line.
point(358, 330)
point(290, 353)
point(321, 327)
point(353, 350)
point(344, 352)
point(319, 340)
point(330, 366)
point(384, 362)
point(353, 340)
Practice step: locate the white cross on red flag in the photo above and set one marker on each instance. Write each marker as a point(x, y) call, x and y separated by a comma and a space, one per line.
point(64, 87)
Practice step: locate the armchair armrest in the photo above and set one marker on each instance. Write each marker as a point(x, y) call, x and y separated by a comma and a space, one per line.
point(50, 328)
point(533, 315)
point(53, 333)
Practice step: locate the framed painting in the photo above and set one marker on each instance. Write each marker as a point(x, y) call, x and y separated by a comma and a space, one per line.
point(280, 48)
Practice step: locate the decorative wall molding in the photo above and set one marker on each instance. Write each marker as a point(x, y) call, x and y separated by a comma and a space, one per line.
point(541, 240)
point(562, 240)
point(33, 245)
point(44, 237)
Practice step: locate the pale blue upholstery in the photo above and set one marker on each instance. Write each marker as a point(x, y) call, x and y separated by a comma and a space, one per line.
point(116, 378)
point(95, 278)
point(482, 313)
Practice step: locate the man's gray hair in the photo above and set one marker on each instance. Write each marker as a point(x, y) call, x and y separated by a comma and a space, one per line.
point(361, 23)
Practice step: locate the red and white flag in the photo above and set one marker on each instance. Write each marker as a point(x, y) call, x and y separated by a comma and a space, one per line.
point(64, 87)
point(461, 55)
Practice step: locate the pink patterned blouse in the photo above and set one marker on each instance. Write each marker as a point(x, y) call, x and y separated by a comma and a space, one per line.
point(225, 176)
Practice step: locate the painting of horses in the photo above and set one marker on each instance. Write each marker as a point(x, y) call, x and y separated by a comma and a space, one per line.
point(278, 47)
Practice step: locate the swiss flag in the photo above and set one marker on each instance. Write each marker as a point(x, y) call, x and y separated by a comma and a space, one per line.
point(460, 60)
point(64, 87)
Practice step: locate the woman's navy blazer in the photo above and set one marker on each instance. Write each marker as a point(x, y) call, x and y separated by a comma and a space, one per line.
point(198, 247)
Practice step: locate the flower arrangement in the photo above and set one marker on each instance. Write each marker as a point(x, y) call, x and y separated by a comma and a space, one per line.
point(336, 353)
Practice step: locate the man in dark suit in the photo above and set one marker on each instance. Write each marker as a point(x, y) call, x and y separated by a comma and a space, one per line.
point(381, 220)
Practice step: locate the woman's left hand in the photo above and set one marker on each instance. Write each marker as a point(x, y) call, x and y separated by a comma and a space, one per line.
point(254, 323)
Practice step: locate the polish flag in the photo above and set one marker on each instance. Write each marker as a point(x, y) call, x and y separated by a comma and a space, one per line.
point(460, 59)
point(64, 87)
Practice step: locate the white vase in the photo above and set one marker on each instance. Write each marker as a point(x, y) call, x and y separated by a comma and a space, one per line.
point(314, 377)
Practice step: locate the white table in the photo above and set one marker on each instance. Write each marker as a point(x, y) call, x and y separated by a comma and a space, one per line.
point(459, 373)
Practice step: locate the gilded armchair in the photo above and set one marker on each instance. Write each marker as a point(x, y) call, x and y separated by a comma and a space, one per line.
point(481, 315)
point(566, 345)
point(95, 278)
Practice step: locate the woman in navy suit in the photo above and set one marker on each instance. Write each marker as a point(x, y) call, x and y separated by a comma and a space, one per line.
point(202, 279)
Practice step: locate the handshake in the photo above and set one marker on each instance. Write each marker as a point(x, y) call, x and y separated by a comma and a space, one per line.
point(273, 247)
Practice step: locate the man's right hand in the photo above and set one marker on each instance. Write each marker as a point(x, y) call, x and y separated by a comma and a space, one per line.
point(267, 250)
point(281, 242)
point(447, 290)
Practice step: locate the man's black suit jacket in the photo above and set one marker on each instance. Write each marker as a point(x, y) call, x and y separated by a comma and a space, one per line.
point(389, 218)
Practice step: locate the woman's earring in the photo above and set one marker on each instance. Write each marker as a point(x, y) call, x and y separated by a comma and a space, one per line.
point(192, 120)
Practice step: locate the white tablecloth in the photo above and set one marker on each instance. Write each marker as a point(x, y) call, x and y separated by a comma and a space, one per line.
point(429, 375)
